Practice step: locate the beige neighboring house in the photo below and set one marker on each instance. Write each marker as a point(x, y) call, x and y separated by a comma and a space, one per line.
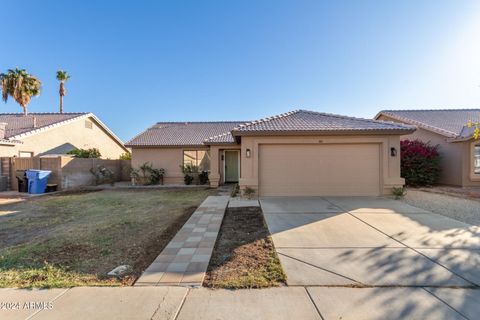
point(460, 154)
point(299, 153)
point(38, 134)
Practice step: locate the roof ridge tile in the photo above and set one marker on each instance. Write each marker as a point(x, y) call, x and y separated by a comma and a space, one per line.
point(263, 120)
point(345, 117)
point(41, 113)
point(423, 110)
point(424, 125)
point(198, 122)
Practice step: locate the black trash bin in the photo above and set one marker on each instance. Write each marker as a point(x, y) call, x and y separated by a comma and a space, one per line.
point(22, 180)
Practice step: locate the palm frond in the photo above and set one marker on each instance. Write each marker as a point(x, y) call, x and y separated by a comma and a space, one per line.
point(62, 75)
point(20, 85)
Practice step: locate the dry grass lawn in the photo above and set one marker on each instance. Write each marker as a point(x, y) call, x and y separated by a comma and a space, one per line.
point(75, 239)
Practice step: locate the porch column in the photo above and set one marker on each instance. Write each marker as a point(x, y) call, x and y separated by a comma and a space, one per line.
point(214, 176)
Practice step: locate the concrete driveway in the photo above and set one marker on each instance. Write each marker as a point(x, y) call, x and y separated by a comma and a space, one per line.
point(367, 241)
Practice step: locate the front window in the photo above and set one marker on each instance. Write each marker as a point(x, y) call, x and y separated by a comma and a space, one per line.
point(476, 160)
point(199, 160)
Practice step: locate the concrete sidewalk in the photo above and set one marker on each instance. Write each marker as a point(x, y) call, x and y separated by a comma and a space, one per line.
point(275, 303)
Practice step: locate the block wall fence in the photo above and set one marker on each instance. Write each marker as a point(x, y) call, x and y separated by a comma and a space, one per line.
point(67, 172)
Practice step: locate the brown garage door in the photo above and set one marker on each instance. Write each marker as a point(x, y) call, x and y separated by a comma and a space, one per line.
point(319, 170)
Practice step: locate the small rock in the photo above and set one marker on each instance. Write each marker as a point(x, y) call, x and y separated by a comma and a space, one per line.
point(120, 271)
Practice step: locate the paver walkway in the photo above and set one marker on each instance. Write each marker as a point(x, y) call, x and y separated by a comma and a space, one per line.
point(179, 303)
point(185, 259)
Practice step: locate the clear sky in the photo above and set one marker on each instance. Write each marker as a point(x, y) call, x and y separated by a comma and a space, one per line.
point(133, 63)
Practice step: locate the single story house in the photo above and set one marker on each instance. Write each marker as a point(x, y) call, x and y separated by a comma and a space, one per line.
point(460, 153)
point(38, 134)
point(299, 153)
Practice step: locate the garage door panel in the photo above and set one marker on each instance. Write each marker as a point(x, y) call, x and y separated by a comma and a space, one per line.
point(319, 170)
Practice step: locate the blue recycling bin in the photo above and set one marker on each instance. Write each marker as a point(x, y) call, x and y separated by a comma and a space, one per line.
point(37, 180)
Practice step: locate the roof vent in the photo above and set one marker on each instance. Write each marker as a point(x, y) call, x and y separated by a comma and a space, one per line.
point(34, 122)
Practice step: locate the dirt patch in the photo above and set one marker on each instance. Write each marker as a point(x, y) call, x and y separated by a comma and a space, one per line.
point(244, 255)
point(69, 253)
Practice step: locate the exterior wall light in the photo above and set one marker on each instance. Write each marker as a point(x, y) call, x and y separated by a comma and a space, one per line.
point(248, 153)
point(393, 152)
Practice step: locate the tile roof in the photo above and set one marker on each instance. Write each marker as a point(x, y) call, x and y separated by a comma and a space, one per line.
point(448, 122)
point(184, 133)
point(299, 121)
point(18, 123)
point(304, 121)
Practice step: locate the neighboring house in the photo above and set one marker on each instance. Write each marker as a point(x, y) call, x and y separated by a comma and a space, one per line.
point(460, 154)
point(38, 134)
point(299, 153)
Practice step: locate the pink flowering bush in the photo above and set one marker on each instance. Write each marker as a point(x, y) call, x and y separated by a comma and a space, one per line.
point(420, 163)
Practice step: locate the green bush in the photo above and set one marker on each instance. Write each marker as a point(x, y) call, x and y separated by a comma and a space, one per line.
point(188, 179)
point(203, 177)
point(420, 163)
point(249, 192)
point(125, 156)
point(399, 192)
point(156, 176)
point(86, 153)
point(146, 174)
point(188, 171)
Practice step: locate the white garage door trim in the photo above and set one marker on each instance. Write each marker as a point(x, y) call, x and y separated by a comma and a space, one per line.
point(341, 169)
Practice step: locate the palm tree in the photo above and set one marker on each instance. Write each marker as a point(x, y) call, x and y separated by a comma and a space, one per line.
point(62, 76)
point(20, 85)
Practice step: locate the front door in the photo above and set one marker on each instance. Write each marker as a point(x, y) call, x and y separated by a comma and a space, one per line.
point(232, 160)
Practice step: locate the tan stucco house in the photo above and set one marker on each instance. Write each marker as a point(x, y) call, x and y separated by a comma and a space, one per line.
point(38, 134)
point(299, 153)
point(460, 153)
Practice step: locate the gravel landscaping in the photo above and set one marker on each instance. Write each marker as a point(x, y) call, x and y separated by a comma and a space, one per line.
point(465, 210)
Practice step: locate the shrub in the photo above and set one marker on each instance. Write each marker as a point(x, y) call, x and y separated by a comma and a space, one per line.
point(146, 174)
point(103, 175)
point(188, 179)
point(188, 171)
point(125, 156)
point(156, 176)
point(420, 163)
point(86, 153)
point(235, 191)
point(249, 192)
point(399, 192)
point(135, 176)
point(203, 177)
